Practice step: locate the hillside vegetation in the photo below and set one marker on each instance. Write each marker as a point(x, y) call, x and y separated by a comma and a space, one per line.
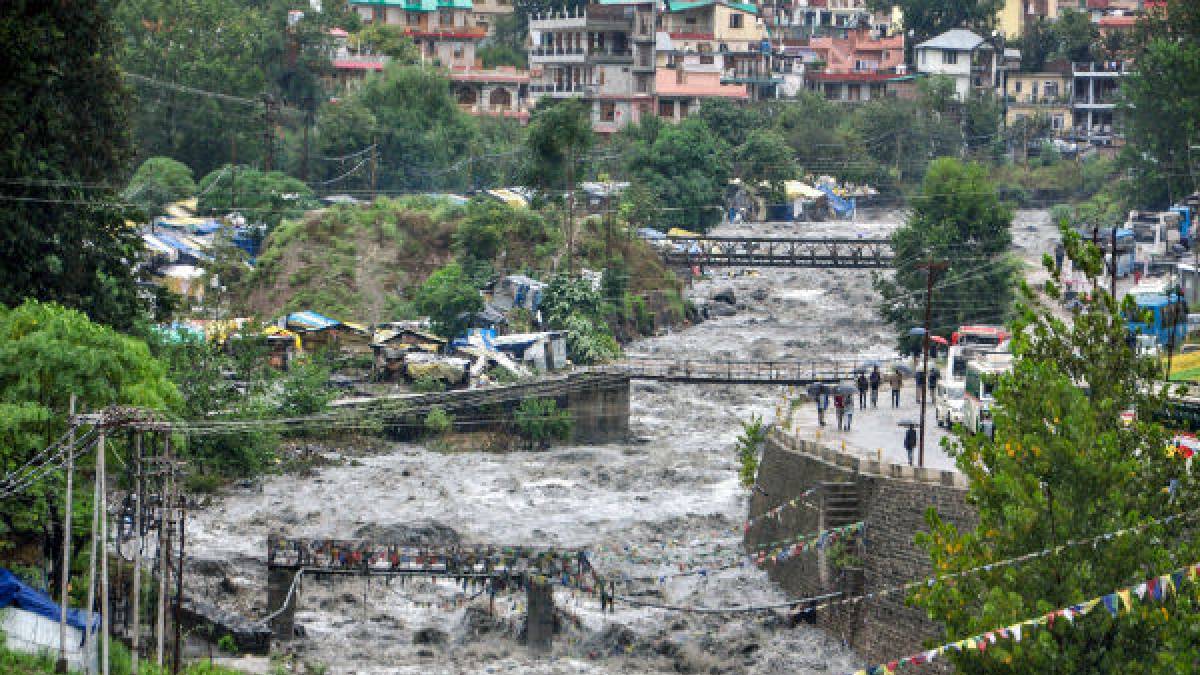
point(366, 262)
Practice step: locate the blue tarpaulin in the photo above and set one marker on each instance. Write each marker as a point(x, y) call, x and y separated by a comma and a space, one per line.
point(310, 321)
point(16, 593)
point(844, 208)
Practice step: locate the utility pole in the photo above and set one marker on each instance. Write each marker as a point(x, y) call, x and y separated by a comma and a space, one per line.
point(1112, 282)
point(179, 580)
point(164, 547)
point(88, 637)
point(64, 582)
point(137, 557)
point(930, 267)
point(268, 136)
point(102, 491)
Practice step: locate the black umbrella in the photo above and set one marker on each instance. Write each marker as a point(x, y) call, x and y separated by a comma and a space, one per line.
point(814, 389)
point(907, 423)
point(845, 389)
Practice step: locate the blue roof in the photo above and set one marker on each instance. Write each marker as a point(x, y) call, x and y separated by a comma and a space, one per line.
point(311, 321)
point(170, 240)
point(1152, 300)
point(16, 593)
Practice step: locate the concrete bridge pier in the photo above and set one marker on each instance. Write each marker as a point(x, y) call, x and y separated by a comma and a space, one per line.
point(279, 582)
point(539, 616)
point(600, 411)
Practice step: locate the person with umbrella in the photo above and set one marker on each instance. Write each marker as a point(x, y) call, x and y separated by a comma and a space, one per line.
point(850, 410)
point(839, 408)
point(934, 374)
point(820, 394)
point(874, 381)
point(896, 380)
point(910, 442)
point(863, 385)
point(919, 381)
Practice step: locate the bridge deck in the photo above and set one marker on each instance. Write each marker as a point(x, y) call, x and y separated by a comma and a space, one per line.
point(744, 372)
point(849, 253)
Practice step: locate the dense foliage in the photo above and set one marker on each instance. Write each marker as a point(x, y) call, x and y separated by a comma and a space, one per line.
point(158, 182)
point(449, 298)
point(956, 220)
point(261, 196)
point(62, 114)
point(1064, 466)
point(540, 421)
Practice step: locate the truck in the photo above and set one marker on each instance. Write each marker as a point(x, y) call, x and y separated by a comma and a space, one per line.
point(979, 336)
point(979, 388)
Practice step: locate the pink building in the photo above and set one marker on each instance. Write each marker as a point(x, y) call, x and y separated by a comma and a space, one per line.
point(680, 91)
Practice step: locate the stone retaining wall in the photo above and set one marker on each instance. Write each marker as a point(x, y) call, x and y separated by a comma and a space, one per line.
point(892, 501)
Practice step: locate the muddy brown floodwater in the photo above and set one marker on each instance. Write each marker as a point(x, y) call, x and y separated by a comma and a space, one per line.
point(666, 502)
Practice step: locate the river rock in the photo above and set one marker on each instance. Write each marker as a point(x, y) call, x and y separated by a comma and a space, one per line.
point(725, 295)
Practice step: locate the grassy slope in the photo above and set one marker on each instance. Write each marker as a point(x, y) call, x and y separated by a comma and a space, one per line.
point(361, 263)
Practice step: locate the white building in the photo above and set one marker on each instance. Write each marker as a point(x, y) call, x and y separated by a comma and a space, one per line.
point(962, 56)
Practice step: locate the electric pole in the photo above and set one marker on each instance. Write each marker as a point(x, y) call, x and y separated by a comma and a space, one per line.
point(179, 580)
point(64, 582)
point(164, 547)
point(137, 557)
point(930, 267)
point(102, 507)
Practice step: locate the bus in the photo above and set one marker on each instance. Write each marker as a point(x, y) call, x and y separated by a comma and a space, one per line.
point(1163, 316)
point(989, 337)
point(979, 386)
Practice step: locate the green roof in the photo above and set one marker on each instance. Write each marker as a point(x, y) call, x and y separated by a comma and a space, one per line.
point(695, 4)
point(418, 5)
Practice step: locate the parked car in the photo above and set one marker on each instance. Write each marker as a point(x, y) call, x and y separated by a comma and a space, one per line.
point(948, 403)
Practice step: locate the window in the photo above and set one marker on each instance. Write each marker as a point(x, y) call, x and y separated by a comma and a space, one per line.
point(608, 112)
point(445, 19)
point(735, 20)
point(458, 51)
point(666, 109)
point(643, 84)
point(1017, 86)
point(924, 56)
point(1056, 122)
point(691, 21)
point(412, 18)
point(707, 59)
point(1050, 89)
point(949, 56)
point(600, 78)
point(683, 109)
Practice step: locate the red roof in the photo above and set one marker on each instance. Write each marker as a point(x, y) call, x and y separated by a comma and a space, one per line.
point(851, 77)
point(352, 64)
point(1117, 21)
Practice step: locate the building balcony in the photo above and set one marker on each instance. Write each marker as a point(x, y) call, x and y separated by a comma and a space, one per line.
point(446, 32)
point(556, 23)
point(557, 55)
point(1100, 69)
point(611, 56)
point(561, 90)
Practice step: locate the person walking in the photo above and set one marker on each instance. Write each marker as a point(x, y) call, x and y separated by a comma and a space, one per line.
point(849, 412)
point(934, 375)
point(919, 381)
point(839, 408)
point(896, 380)
point(910, 443)
point(862, 390)
point(875, 380)
point(822, 404)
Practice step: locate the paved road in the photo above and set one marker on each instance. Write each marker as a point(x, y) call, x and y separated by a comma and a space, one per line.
point(876, 431)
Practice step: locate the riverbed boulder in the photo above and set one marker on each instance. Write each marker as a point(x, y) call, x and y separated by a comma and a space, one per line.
point(725, 295)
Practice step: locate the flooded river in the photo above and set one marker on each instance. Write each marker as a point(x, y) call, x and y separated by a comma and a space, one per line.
point(666, 502)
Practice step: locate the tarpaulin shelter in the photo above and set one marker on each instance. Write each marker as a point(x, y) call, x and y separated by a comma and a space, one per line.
point(29, 621)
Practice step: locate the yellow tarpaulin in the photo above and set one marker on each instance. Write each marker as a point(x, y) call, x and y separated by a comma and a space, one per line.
point(680, 232)
point(795, 189)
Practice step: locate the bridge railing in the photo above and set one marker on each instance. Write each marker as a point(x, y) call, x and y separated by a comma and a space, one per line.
point(782, 371)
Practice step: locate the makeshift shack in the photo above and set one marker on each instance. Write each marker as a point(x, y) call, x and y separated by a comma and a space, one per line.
point(518, 290)
point(390, 348)
point(489, 318)
point(29, 622)
point(537, 351)
point(316, 332)
point(450, 369)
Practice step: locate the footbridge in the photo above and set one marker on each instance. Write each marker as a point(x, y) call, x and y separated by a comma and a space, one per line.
point(791, 372)
point(534, 570)
point(831, 253)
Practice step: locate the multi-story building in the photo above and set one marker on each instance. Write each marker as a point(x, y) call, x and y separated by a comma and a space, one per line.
point(1096, 88)
point(801, 19)
point(499, 92)
point(730, 34)
point(487, 12)
point(686, 79)
point(1047, 94)
point(854, 66)
point(602, 53)
point(444, 30)
point(1015, 15)
point(967, 59)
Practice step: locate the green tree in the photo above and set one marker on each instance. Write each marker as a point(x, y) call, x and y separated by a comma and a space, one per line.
point(540, 420)
point(262, 197)
point(927, 18)
point(639, 206)
point(571, 304)
point(158, 182)
point(1037, 43)
point(344, 133)
point(729, 121)
point(63, 236)
point(689, 169)
point(438, 422)
point(48, 353)
point(749, 446)
point(1064, 466)
point(506, 46)
point(766, 157)
point(448, 298)
point(306, 389)
point(955, 219)
point(1076, 35)
point(1162, 129)
point(388, 40)
point(560, 135)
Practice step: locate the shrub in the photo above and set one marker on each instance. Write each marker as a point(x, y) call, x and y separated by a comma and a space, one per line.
point(438, 422)
point(540, 420)
point(754, 434)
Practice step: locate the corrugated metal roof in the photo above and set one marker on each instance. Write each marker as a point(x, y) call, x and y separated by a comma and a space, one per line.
point(957, 39)
point(695, 4)
point(418, 5)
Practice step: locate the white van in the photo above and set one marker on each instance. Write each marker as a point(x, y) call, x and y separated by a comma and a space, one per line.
point(948, 403)
point(981, 380)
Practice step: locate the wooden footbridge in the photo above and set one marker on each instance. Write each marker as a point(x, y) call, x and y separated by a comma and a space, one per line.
point(831, 253)
point(536, 571)
point(793, 372)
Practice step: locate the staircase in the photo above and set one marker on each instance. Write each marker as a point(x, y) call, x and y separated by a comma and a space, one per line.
point(840, 504)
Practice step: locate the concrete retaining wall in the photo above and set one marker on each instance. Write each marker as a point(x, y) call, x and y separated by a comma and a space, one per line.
point(893, 500)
